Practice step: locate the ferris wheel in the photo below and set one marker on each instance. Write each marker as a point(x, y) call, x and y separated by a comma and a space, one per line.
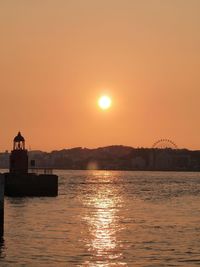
point(164, 143)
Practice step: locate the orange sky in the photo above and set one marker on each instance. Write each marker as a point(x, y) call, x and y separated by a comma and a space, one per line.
point(58, 57)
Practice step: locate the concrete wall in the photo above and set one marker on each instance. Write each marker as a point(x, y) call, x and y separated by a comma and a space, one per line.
point(1, 204)
point(19, 185)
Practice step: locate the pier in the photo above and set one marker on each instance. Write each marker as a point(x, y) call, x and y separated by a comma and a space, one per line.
point(1, 205)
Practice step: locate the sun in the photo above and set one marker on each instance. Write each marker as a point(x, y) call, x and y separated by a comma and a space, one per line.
point(104, 102)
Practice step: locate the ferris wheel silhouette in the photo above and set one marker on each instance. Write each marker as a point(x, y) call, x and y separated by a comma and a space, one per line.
point(165, 143)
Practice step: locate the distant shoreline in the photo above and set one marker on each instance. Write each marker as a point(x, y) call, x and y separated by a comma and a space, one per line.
point(119, 158)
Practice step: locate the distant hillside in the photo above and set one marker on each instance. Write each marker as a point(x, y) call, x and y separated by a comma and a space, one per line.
point(116, 157)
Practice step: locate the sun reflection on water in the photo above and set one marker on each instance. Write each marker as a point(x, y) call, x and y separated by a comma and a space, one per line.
point(104, 201)
point(103, 227)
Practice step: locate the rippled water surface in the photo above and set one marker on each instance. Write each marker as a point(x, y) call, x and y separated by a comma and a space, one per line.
point(105, 218)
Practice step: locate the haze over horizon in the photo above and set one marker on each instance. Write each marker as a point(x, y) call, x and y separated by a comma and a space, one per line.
point(58, 57)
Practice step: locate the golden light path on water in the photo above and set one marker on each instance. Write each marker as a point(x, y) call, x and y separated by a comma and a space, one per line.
point(103, 223)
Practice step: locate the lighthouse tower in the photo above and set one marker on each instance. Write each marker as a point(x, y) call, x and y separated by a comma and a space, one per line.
point(19, 156)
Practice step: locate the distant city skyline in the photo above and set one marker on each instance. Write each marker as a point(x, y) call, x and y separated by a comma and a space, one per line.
point(58, 58)
point(110, 158)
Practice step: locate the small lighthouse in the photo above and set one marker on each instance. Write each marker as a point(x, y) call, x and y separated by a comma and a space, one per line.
point(19, 156)
point(19, 182)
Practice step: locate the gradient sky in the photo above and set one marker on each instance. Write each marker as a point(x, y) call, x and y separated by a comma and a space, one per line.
point(58, 56)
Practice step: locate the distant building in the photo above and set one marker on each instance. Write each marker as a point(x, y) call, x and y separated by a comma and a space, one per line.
point(138, 163)
point(163, 160)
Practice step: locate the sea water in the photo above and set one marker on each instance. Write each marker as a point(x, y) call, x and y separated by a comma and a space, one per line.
point(107, 218)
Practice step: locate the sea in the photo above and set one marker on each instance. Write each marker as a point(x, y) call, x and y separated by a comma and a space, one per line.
point(107, 218)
